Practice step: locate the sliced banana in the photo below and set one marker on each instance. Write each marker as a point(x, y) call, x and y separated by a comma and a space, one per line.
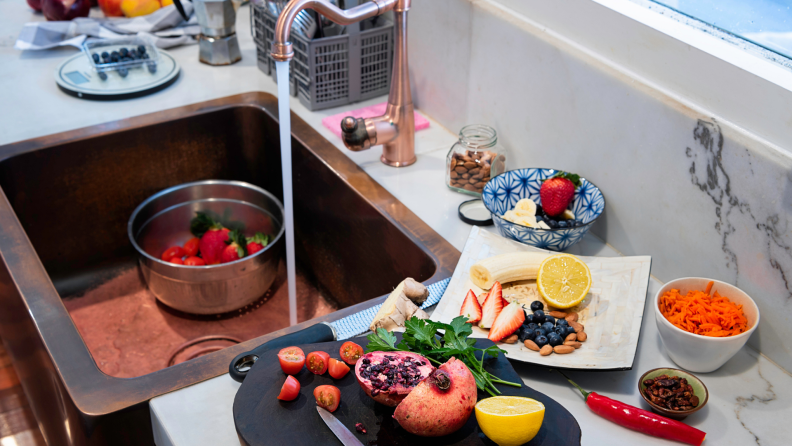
point(526, 204)
point(568, 215)
point(542, 224)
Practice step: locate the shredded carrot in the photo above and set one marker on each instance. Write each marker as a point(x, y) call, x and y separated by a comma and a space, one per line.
point(702, 314)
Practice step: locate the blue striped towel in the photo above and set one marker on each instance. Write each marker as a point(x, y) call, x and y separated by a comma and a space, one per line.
point(359, 323)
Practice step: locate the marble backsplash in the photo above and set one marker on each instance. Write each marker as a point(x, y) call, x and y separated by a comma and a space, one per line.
point(701, 195)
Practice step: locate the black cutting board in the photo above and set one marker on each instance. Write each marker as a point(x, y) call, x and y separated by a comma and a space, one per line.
point(261, 419)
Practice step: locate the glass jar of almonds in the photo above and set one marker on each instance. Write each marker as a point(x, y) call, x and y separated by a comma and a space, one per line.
point(474, 159)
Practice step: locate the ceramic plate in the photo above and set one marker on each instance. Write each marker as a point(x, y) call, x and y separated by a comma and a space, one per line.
point(612, 312)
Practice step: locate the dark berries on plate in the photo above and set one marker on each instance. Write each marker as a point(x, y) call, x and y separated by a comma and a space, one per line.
point(550, 319)
point(528, 319)
point(123, 72)
point(141, 49)
point(554, 339)
point(539, 316)
point(95, 57)
point(537, 305)
point(541, 341)
point(102, 75)
point(548, 327)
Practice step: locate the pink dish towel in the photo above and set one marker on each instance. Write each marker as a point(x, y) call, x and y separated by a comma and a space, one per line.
point(333, 123)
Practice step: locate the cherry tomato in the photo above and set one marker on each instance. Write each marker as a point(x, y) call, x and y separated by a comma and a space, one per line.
point(351, 352)
point(177, 260)
point(317, 362)
point(290, 389)
point(337, 368)
point(194, 261)
point(191, 247)
point(173, 251)
point(328, 397)
point(291, 360)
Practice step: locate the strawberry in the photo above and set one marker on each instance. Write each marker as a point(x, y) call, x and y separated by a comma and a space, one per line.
point(235, 249)
point(557, 192)
point(492, 306)
point(507, 322)
point(213, 237)
point(471, 308)
point(257, 243)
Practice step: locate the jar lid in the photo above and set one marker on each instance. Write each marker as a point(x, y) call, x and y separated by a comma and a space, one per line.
point(473, 212)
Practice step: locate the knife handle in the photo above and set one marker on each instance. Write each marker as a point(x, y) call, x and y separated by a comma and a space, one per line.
point(243, 362)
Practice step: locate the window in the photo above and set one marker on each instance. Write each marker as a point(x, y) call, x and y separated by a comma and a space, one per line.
point(767, 23)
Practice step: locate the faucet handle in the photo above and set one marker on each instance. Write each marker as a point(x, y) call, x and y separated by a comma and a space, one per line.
point(354, 134)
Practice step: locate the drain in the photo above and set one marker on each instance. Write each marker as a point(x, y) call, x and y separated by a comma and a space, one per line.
point(199, 347)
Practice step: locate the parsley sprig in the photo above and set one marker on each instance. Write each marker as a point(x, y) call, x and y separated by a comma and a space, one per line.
point(423, 337)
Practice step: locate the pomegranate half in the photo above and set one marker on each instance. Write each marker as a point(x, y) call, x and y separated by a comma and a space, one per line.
point(388, 377)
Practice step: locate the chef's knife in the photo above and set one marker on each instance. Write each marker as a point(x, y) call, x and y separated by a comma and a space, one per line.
point(347, 438)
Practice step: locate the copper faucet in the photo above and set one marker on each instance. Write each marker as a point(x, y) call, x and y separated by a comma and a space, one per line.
point(395, 130)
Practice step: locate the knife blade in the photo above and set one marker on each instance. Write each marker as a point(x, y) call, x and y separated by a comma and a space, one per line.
point(347, 438)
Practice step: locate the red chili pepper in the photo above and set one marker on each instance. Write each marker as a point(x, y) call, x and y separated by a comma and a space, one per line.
point(640, 420)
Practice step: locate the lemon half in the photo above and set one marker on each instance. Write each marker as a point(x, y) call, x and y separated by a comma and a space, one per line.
point(563, 280)
point(510, 420)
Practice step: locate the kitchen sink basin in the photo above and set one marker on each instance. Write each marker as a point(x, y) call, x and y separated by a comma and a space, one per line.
point(91, 343)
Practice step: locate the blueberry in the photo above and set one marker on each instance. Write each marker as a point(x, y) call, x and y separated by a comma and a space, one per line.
point(105, 55)
point(539, 316)
point(550, 319)
point(554, 339)
point(540, 332)
point(529, 335)
point(562, 224)
point(114, 58)
point(115, 53)
point(95, 57)
point(141, 49)
point(572, 223)
point(552, 223)
point(133, 54)
point(123, 72)
point(532, 326)
point(539, 210)
point(144, 55)
point(123, 52)
point(528, 319)
point(537, 305)
point(152, 67)
point(541, 341)
point(562, 322)
point(548, 327)
point(569, 331)
point(102, 75)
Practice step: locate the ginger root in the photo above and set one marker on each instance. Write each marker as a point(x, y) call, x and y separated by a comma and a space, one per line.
point(401, 305)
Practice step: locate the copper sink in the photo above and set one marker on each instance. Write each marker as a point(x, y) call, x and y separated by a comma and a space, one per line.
point(91, 344)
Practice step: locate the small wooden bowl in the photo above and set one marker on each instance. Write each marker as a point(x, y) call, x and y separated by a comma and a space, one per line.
point(699, 389)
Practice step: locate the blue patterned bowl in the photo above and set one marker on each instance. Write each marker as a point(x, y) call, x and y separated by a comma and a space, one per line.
point(505, 190)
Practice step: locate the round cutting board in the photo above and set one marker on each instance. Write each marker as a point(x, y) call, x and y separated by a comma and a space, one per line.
point(76, 77)
point(261, 419)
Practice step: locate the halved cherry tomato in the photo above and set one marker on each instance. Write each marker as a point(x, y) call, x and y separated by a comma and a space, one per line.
point(328, 397)
point(191, 247)
point(291, 360)
point(173, 251)
point(177, 260)
point(337, 368)
point(290, 389)
point(351, 352)
point(194, 261)
point(317, 362)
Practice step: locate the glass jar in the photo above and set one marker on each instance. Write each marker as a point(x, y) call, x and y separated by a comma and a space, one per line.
point(474, 159)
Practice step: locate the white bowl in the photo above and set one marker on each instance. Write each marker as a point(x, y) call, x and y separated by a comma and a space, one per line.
point(703, 354)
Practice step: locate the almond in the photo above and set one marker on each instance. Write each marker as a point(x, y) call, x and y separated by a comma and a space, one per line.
point(454, 175)
point(575, 344)
point(562, 349)
point(582, 336)
point(571, 337)
point(558, 314)
point(572, 317)
point(511, 339)
point(578, 327)
point(546, 350)
point(460, 170)
point(470, 165)
point(531, 345)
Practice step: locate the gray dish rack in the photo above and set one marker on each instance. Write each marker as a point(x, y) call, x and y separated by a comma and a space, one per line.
point(330, 71)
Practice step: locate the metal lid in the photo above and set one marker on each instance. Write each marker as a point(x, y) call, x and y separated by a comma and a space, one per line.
point(473, 212)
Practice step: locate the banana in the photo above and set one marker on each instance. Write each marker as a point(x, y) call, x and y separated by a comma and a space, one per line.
point(505, 268)
point(568, 215)
point(526, 204)
point(520, 217)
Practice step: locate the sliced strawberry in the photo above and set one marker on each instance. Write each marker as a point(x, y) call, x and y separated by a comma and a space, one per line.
point(507, 322)
point(492, 306)
point(471, 308)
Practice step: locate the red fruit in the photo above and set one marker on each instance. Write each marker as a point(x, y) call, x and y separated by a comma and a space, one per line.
point(492, 306)
point(317, 362)
point(290, 389)
point(65, 9)
point(191, 246)
point(557, 192)
point(374, 382)
point(35, 4)
point(236, 248)
point(328, 397)
point(291, 360)
point(177, 261)
point(194, 261)
point(507, 322)
point(350, 352)
point(337, 369)
point(471, 308)
point(441, 404)
point(173, 251)
point(256, 243)
point(212, 244)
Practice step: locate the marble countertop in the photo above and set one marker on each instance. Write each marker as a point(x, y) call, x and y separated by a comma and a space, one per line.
point(749, 396)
